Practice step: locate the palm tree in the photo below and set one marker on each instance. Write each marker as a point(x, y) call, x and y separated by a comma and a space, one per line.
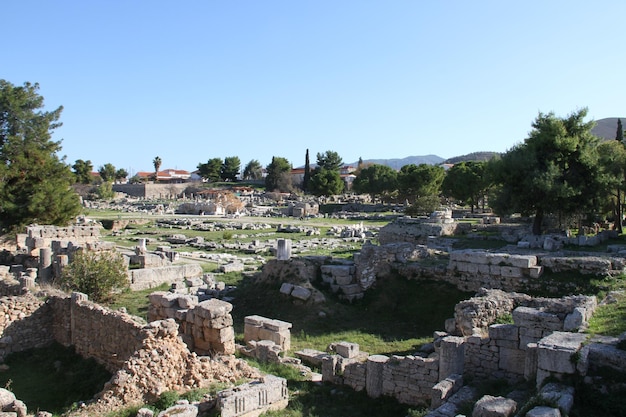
point(157, 164)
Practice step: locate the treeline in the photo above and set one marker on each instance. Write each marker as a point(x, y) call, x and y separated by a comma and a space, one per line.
point(560, 171)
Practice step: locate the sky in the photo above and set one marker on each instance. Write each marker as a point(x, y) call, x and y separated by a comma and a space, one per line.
point(193, 80)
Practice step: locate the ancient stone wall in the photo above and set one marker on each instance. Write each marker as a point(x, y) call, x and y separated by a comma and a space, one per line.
point(146, 360)
point(110, 337)
point(38, 237)
point(205, 327)
point(25, 323)
point(141, 279)
point(151, 191)
point(416, 231)
point(470, 270)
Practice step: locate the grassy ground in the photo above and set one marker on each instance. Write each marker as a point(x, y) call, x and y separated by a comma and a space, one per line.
point(52, 378)
point(394, 318)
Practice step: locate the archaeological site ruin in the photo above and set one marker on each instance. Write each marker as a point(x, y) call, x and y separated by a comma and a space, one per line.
point(500, 333)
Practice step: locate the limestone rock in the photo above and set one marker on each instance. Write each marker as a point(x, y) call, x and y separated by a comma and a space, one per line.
point(489, 406)
point(182, 410)
point(542, 411)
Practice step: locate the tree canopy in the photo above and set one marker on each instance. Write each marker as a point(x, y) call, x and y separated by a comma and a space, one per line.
point(466, 182)
point(230, 168)
point(326, 182)
point(419, 181)
point(34, 181)
point(329, 160)
point(107, 172)
point(375, 180)
point(211, 170)
point(554, 171)
point(278, 176)
point(82, 171)
point(253, 170)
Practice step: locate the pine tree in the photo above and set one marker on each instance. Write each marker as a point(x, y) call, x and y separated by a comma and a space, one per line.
point(34, 181)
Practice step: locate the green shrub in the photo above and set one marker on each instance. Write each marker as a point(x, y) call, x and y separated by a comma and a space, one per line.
point(166, 400)
point(227, 235)
point(97, 274)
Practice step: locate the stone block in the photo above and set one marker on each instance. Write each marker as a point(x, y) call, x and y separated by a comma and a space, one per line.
point(301, 293)
point(543, 411)
point(504, 332)
point(213, 308)
point(512, 360)
point(443, 390)
point(286, 288)
point(556, 352)
point(511, 272)
point(574, 320)
point(559, 394)
point(535, 271)
point(495, 270)
point(347, 350)
point(523, 261)
point(490, 406)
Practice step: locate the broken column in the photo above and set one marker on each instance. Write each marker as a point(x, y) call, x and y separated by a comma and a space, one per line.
point(45, 264)
point(374, 376)
point(283, 249)
point(451, 356)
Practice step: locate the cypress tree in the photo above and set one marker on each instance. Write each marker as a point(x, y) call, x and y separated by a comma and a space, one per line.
point(307, 172)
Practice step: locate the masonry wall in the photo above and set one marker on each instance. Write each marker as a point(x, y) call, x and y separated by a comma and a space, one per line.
point(205, 327)
point(25, 323)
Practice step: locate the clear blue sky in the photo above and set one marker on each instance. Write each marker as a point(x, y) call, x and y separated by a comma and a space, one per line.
point(197, 79)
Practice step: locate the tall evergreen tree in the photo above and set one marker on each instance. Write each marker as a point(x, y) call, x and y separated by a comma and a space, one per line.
point(34, 181)
point(307, 172)
point(619, 135)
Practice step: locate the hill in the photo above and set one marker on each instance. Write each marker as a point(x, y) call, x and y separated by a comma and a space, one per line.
point(474, 156)
point(397, 163)
point(607, 128)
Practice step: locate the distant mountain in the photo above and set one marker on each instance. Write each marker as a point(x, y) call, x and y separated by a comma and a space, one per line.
point(397, 163)
point(474, 156)
point(607, 128)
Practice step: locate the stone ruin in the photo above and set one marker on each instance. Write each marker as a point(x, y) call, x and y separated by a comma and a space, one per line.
point(145, 359)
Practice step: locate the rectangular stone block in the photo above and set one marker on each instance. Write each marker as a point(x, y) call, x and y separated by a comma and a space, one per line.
point(504, 332)
point(556, 352)
point(511, 272)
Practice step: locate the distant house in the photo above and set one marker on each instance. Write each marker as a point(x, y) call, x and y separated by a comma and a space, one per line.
point(168, 176)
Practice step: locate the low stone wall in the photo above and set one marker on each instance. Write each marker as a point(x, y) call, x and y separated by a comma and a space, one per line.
point(409, 379)
point(141, 279)
point(589, 265)
point(261, 328)
point(38, 237)
point(205, 327)
point(415, 230)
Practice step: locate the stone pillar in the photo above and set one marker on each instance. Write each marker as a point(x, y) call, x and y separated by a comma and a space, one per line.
point(530, 363)
point(31, 273)
point(141, 247)
point(27, 282)
point(451, 356)
point(329, 366)
point(45, 263)
point(374, 375)
point(61, 262)
point(283, 250)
